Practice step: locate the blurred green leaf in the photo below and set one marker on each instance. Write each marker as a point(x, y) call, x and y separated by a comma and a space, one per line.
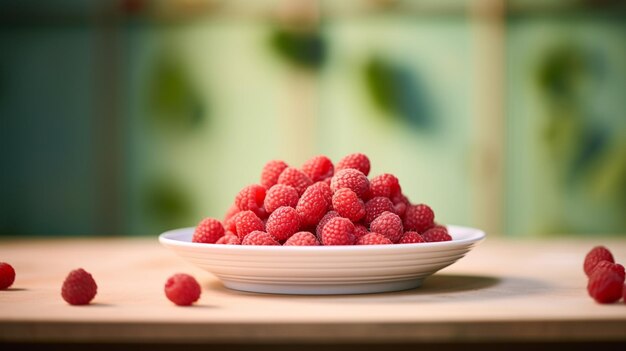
point(305, 49)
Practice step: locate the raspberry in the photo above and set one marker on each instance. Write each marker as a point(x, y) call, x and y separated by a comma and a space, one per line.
point(348, 204)
point(419, 218)
point(327, 217)
point(280, 195)
point(295, 178)
point(7, 275)
point(79, 288)
point(209, 230)
point(232, 211)
point(436, 234)
point(388, 224)
point(325, 189)
point(375, 207)
point(386, 185)
point(615, 267)
point(399, 209)
point(597, 254)
point(355, 161)
point(182, 289)
point(302, 239)
point(338, 231)
point(605, 285)
point(624, 294)
point(271, 171)
point(229, 239)
point(360, 230)
point(283, 223)
point(373, 239)
point(318, 168)
point(352, 179)
point(311, 207)
point(400, 204)
point(258, 237)
point(251, 198)
point(411, 238)
point(247, 222)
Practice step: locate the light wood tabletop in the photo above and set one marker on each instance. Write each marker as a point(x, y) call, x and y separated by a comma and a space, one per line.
point(503, 291)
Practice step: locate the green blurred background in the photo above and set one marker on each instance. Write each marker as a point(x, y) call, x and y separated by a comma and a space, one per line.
point(131, 117)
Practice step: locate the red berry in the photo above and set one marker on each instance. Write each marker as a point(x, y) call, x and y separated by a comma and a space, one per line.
point(360, 230)
point(624, 294)
point(247, 222)
point(251, 198)
point(605, 285)
point(229, 239)
point(209, 230)
point(324, 187)
point(295, 178)
point(327, 217)
point(259, 238)
point(302, 239)
point(232, 211)
point(283, 223)
point(615, 267)
point(7, 275)
point(386, 185)
point(182, 289)
point(348, 204)
point(79, 288)
point(436, 234)
point(355, 161)
point(352, 179)
point(411, 238)
point(311, 207)
point(338, 231)
point(419, 218)
point(280, 195)
point(597, 254)
point(318, 168)
point(373, 239)
point(375, 207)
point(388, 224)
point(271, 171)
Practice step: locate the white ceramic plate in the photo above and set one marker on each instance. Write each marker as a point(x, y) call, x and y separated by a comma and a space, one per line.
point(323, 269)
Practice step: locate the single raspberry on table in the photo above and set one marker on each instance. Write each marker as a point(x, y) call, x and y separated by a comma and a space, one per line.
point(360, 230)
point(7, 275)
point(320, 225)
point(419, 218)
point(79, 287)
point(386, 185)
point(338, 231)
point(302, 239)
point(318, 168)
point(247, 222)
point(209, 230)
point(615, 267)
point(436, 234)
point(375, 207)
point(373, 239)
point(311, 207)
point(280, 195)
point(411, 238)
point(605, 285)
point(348, 204)
point(324, 187)
point(593, 257)
point(388, 224)
point(283, 223)
point(271, 171)
point(229, 238)
point(259, 238)
point(251, 198)
point(352, 179)
point(355, 161)
point(182, 289)
point(295, 178)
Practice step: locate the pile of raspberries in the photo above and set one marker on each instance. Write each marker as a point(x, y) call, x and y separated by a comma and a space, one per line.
point(606, 277)
point(322, 203)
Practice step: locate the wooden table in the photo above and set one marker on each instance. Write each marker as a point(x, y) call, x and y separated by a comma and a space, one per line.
point(501, 292)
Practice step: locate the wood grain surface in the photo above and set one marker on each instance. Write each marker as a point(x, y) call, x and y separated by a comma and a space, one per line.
point(502, 291)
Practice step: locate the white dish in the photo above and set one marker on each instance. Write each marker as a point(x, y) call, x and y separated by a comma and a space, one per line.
point(323, 270)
